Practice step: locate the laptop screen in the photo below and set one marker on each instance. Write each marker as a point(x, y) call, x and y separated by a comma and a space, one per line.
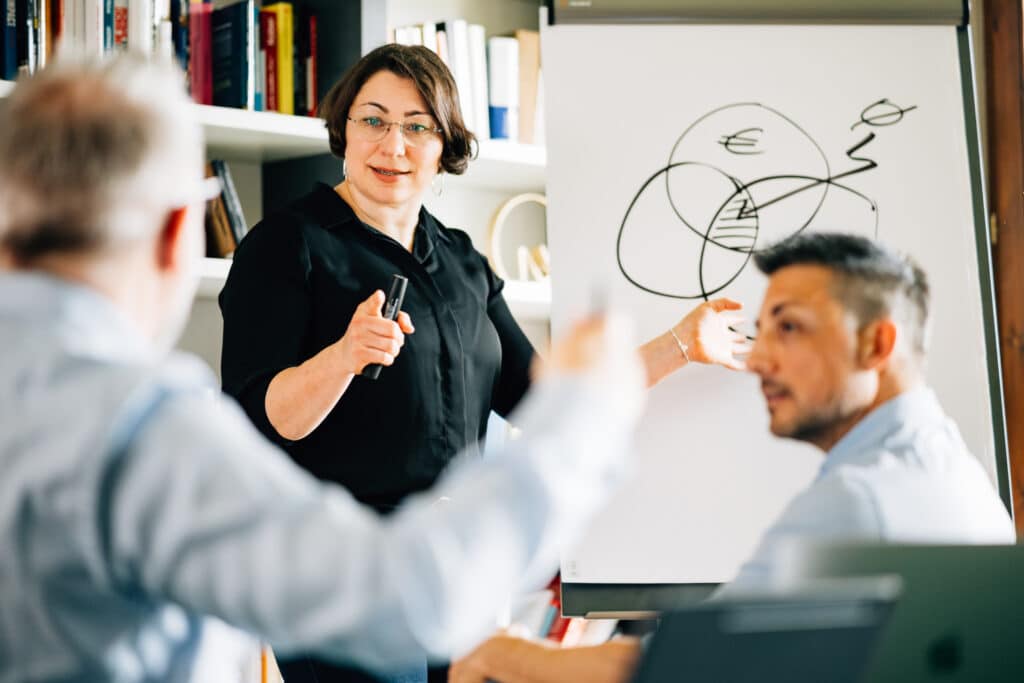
point(819, 633)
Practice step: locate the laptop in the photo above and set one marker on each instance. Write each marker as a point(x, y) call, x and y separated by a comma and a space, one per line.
point(821, 632)
point(961, 614)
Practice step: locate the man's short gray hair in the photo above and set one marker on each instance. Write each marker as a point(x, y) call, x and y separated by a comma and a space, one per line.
point(93, 154)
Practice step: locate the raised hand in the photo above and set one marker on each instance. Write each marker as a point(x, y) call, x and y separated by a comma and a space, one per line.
point(708, 332)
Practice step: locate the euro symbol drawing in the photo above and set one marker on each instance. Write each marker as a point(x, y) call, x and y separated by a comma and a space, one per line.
point(882, 113)
point(742, 141)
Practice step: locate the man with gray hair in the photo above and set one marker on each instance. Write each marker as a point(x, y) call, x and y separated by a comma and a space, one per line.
point(840, 351)
point(135, 500)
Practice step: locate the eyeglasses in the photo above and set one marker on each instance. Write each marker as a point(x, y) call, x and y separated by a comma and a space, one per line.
point(415, 131)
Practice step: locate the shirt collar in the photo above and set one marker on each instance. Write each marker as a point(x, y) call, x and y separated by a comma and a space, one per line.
point(85, 321)
point(334, 213)
point(892, 420)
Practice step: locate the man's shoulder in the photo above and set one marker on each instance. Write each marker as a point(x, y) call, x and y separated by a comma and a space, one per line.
point(931, 490)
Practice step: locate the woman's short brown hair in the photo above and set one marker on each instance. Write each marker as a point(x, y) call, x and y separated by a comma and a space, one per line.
point(432, 79)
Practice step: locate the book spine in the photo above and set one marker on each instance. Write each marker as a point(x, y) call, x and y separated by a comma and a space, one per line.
point(458, 52)
point(503, 54)
point(250, 40)
point(220, 242)
point(108, 25)
point(232, 203)
point(442, 46)
point(285, 72)
point(9, 44)
point(140, 26)
point(223, 59)
point(31, 38)
point(120, 36)
point(478, 75)
point(311, 69)
point(300, 45)
point(179, 32)
point(200, 55)
point(529, 85)
point(268, 43)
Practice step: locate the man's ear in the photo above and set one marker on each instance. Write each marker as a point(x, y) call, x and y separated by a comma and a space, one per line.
point(169, 248)
point(876, 342)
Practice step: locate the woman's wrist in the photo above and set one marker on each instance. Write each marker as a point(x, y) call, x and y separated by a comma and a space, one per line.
point(338, 361)
point(680, 344)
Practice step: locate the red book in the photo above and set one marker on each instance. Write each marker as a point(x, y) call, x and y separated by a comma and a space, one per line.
point(560, 624)
point(200, 41)
point(312, 99)
point(268, 45)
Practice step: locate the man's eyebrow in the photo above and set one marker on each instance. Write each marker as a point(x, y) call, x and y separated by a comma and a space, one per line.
point(778, 308)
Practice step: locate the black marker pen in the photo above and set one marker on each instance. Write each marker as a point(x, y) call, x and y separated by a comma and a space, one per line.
point(392, 305)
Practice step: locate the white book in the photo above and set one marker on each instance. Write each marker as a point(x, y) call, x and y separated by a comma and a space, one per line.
point(140, 26)
point(429, 33)
point(414, 35)
point(43, 45)
point(458, 61)
point(162, 38)
point(71, 32)
point(92, 27)
point(478, 74)
point(252, 48)
point(503, 72)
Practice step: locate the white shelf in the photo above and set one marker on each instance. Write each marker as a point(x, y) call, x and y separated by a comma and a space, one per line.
point(5, 87)
point(212, 274)
point(506, 166)
point(260, 135)
point(529, 300)
point(526, 300)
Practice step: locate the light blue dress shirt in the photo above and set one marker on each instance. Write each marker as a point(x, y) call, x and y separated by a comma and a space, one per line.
point(902, 475)
point(134, 499)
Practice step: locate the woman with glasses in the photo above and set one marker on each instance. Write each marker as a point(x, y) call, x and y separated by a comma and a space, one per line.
point(302, 305)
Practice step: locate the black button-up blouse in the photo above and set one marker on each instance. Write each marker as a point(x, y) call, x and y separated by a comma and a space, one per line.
point(296, 280)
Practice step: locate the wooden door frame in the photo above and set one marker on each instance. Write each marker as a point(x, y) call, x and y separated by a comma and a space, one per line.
point(1004, 98)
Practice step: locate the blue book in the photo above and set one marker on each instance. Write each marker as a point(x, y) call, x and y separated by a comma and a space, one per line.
point(8, 40)
point(179, 31)
point(108, 25)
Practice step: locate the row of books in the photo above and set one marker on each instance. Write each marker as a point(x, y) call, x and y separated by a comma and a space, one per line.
point(237, 54)
point(499, 79)
point(31, 30)
point(539, 615)
point(225, 221)
point(249, 56)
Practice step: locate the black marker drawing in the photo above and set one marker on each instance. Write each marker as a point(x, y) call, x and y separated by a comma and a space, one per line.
point(743, 141)
point(741, 175)
point(882, 113)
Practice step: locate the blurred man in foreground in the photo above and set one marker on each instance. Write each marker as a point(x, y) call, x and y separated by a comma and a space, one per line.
point(137, 500)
